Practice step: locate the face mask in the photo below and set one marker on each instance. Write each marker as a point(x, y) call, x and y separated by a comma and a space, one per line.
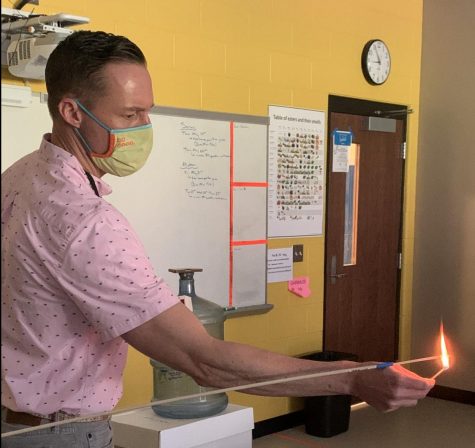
point(128, 148)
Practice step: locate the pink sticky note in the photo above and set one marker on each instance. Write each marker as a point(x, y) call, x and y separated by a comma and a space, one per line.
point(300, 286)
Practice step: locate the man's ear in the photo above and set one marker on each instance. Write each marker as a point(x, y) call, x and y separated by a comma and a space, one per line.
point(70, 112)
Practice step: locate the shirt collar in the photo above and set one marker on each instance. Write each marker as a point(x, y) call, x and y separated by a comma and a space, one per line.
point(56, 155)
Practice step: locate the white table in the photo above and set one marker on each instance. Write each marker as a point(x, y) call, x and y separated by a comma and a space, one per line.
point(231, 428)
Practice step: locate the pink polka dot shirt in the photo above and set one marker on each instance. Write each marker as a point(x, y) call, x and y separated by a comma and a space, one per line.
point(74, 278)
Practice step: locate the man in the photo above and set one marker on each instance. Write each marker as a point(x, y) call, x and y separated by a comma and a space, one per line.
point(77, 285)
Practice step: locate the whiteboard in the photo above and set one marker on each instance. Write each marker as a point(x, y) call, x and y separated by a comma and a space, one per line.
point(200, 201)
point(22, 129)
point(179, 202)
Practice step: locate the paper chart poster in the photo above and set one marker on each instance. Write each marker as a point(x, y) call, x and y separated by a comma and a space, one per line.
point(296, 172)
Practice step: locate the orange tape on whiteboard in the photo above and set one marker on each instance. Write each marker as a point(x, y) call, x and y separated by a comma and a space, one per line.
point(251, 184)
point(248, 243)
point(231, 210)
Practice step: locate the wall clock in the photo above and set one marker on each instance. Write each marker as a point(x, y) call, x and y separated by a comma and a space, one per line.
point(376, 62)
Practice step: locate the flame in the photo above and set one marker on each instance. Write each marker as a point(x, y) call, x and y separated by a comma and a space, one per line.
point(443, 349)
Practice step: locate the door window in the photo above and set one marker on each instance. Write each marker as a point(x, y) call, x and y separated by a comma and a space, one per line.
point(351, 206)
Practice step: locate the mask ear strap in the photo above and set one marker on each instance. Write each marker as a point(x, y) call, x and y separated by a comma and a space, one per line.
point(110, 149)
point(92, 116)
point(83, 140)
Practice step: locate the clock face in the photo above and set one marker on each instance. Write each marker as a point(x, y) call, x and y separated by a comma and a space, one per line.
point(376, 62)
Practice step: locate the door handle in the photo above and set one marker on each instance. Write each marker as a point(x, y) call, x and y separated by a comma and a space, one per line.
point(333, 274)
point(337, 275)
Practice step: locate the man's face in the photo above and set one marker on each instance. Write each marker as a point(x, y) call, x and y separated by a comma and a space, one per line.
point(126, 103)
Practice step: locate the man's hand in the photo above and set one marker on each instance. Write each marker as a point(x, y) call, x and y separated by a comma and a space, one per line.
point(390, 388)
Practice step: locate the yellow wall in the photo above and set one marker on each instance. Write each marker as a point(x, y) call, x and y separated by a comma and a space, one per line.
point(240, 56)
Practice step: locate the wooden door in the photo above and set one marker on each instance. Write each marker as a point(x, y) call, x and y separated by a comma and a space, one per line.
point(362, 269)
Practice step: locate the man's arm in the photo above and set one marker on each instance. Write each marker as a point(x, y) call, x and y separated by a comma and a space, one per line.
point(178, 339)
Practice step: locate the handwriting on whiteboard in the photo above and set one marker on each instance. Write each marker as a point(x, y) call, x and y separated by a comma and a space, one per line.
point(205, 164)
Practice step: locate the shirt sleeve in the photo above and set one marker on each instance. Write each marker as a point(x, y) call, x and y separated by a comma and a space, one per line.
point(108, 275)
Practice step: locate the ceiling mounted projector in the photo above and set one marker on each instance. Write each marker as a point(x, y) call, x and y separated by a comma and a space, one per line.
point(27, 57)
point(27, 40)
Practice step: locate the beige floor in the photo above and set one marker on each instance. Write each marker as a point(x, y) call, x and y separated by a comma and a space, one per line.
point(433, 423)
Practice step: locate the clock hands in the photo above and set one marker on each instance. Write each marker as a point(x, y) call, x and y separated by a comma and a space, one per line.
point(377, 54)
point(372, 53)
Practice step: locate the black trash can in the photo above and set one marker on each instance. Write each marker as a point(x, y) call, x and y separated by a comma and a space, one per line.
point(328, 415)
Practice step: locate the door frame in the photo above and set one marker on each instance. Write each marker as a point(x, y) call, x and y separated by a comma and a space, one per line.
point(355, 106)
